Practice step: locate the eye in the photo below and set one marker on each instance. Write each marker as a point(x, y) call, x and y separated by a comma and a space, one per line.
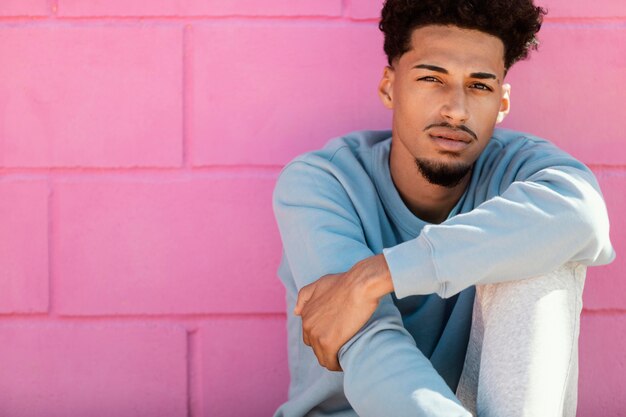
point(481, 86)
point(429, 79)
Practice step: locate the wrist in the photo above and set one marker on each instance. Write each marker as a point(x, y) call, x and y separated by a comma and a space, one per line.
point(378, 281)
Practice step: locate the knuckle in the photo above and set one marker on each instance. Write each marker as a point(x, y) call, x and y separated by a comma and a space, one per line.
point(320, 357)
point(325, 342)
point(313, 334)
point(320, 360)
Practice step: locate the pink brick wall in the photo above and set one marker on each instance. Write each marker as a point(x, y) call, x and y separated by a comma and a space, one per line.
point(139, 143)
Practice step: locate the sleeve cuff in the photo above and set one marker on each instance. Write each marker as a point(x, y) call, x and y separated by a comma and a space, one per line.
point(412, 268)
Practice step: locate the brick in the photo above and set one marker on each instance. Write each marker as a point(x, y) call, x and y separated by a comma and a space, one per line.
point(567, 91)
point(200, 7)
point(167, 247)
point(23, 247)
point(91, 96)
point(583, 8)
point(243, 358)
point(365, 9)
point(293, 88)
point(605, 286)
point(24, 8)
point(602, 366)
point(93, 370)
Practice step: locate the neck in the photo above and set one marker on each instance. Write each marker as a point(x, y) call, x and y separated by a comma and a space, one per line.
point(431, 203)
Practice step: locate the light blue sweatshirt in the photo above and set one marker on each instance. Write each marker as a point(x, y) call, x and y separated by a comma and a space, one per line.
point(528, 209)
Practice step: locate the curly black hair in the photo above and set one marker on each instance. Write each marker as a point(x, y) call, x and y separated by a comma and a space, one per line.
point(515, 22)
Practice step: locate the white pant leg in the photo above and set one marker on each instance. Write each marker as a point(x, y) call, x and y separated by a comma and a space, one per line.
point(522, 357)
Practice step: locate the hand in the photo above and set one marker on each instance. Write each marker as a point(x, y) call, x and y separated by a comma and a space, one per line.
point(335, 307)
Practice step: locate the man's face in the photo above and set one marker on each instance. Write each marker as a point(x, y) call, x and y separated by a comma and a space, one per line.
point(447, 93)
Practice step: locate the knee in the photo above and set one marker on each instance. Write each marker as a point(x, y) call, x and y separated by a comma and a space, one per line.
point(565, 282)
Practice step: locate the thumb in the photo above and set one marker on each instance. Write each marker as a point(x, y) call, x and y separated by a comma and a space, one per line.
point(303, 296)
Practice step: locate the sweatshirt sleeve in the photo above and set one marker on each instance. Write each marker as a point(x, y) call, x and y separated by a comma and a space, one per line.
point(550, 214)
point(384, 372)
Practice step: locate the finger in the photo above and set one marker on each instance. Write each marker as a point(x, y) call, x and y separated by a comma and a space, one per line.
point(305, 338)
point(330, 359)
point(325, 359)
point(333, 364)
point(303, 296)
point(319, 355)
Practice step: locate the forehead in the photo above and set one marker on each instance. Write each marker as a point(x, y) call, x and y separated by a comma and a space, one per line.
point(451, 47)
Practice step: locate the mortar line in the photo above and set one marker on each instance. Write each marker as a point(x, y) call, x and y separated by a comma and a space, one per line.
point(345, 8)
point(584, 19)
point(604, 311)
point(88, 20)
point(171, 318)
point(50, 232)
point(187, 98)
point(193, 381)
point(18, 173)
point(54, 8)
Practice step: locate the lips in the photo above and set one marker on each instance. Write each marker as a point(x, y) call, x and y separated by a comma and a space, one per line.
point(450, 140)
point(450, 134)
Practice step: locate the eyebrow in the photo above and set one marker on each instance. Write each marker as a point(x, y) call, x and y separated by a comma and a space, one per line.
point(478, 75)
point(432, 68)
point(483, 75)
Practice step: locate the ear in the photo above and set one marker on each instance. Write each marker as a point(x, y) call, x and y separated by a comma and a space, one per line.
point(385, 87)
point(505, 103)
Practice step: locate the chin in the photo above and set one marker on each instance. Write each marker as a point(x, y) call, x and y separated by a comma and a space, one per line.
point(444, 173)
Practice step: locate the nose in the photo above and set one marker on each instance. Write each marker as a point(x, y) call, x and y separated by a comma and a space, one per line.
point(454, 109)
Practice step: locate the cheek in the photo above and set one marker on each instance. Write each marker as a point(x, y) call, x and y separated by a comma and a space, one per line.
point(487, 111)
point(483, 120)
point(408, 112)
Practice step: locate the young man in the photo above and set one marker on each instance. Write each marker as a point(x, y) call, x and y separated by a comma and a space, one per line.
point(386, 234)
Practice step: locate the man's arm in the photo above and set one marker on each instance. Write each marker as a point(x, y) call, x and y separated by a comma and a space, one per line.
point(317, 304)
point(551, 213)
point(384, 372)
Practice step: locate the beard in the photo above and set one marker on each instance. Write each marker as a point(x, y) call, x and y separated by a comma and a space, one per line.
point(444, 174)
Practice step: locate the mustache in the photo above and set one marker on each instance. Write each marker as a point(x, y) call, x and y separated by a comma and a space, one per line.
point(449, 126)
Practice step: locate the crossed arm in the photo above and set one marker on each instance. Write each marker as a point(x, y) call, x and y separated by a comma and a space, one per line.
point(336, 306)
point(553, 214)
point(384, 372)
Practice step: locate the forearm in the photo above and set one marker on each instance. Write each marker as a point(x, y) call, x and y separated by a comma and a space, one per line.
point(532, 229)
point(385, 374)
